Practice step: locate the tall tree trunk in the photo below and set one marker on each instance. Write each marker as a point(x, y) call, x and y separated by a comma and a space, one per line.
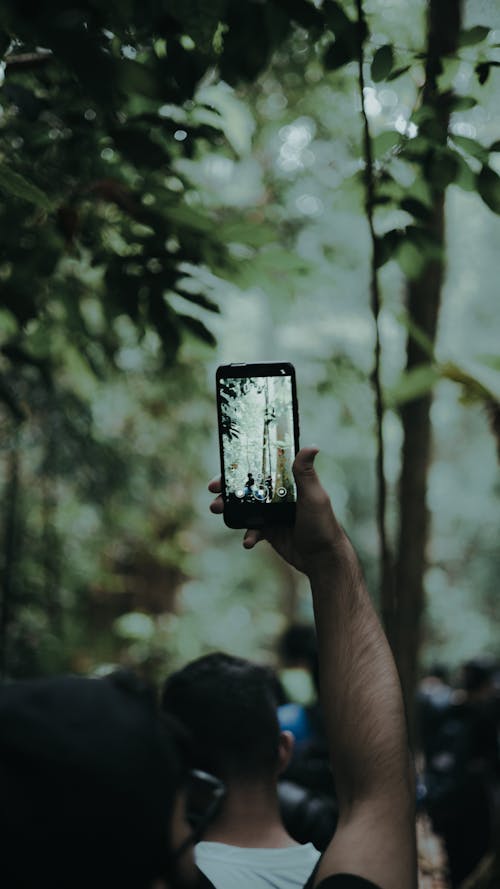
point(387, 577)
point(423, 296)
point(51, 557)
point(284, 478)
point(265, 435)
point(10, 554)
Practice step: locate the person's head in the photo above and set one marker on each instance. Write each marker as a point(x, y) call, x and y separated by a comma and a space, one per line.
point(91, 786)
point(477, 677)
point(298, 649)
point(229, 706)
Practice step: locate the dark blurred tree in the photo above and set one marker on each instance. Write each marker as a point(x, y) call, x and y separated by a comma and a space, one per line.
point(436, 152)
point(98, 108)
point(423, 300)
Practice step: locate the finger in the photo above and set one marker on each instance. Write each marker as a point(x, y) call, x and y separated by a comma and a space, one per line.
point(303, 469)
point(215, 486)
point(252, 536)
point(217, 506)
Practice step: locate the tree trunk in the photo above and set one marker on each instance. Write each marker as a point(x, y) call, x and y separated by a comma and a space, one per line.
point(10, 551)
point(387, 577)
point(265, 435)
point(423, 295)
point(284, 478)
point(51, 557)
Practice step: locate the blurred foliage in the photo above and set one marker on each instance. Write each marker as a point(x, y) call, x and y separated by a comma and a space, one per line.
point(97, 109)
point(179, 175)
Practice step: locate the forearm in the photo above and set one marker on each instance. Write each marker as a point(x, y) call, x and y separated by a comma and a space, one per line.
point(360, 689)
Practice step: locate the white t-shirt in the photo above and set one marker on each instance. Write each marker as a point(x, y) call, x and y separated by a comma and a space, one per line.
point(235, 867)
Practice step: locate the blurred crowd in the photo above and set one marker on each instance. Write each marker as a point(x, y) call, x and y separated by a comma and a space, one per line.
point(458, 724)
point(457, 765)
point(261, 799)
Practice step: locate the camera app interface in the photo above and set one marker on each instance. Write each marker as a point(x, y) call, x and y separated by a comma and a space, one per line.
point(258, 439)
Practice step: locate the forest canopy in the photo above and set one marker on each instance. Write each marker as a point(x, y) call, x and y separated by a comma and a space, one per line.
point(188, 184)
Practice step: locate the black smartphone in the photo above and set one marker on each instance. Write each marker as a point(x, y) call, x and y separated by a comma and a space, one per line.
point(259, 437)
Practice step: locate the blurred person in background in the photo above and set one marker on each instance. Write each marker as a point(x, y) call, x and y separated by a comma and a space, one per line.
point(306, 789)
point(463, 771)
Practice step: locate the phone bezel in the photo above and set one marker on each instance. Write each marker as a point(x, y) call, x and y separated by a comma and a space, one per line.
point(255, 515)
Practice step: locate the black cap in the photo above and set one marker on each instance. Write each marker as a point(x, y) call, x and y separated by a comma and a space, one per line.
point(88, 776)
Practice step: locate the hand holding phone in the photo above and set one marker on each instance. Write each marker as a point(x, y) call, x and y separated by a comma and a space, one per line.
point(259, 437)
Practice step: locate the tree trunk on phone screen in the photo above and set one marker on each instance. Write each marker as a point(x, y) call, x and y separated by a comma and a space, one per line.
point(284, 478)
point(423, 300)
point(265, 434)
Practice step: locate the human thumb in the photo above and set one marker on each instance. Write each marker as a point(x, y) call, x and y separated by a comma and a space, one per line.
point(303, 468)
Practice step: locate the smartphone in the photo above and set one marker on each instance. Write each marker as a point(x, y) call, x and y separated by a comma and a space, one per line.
point(258, 437)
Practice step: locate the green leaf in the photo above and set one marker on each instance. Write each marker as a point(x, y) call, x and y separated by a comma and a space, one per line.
point(251, 234)
point(473, 35)
point(412, 384)
point(442, 168)
point(186, 217)
point(198, 329)
point(338, 54)
point(386, 246)
point(417, 247)
point(166, 324)
point(482, 70)
point(386, 141)
point(495, 146)
point(382, 63)
point(199, 299)
point(417, 148)
point(416, 208)
point(411, 260)
point(235, 118)
point(462, 103)
point(398, 72)
point(15, 184)
point(466, 178)
point(422, 238)
point(472, 147)
point(488, 186)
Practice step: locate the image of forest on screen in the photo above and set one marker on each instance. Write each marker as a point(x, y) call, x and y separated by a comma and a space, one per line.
point(258, 439)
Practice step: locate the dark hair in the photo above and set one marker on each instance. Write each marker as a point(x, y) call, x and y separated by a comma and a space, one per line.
point(89, 771)
point(298, 644)
point(229, 706)
point(477, 673)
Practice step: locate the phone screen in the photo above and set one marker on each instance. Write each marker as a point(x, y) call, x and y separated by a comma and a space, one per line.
point(258, 431)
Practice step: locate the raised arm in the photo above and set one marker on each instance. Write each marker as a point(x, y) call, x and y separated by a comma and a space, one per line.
point(360, 694)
